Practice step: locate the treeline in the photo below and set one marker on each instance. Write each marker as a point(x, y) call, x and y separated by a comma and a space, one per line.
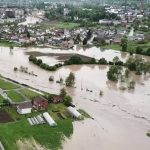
point(137, 50)
point(133, 63)
point(42, 65)
point(88, 12)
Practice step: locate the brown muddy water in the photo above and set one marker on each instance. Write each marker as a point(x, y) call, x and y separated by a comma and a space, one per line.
point(121, 118)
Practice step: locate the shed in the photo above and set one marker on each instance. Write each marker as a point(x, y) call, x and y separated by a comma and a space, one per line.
point(24, 108)
point(57, 99)
point(74, 112)
point(49, 119)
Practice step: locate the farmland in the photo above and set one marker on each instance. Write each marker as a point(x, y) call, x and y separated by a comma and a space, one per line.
point(45, 135)
point(16, 130)
point(6, 85)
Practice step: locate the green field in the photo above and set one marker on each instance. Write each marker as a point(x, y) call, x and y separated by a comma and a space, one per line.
point(15, 96)
point(59, 25)
point(112, 46)
point(1, 99)
point(6, 85)
point(131, 45)
point(49, 137)
point(8, 44)
point(20, 129)
point(29, 93)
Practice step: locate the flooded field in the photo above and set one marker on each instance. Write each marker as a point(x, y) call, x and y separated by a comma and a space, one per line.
point(121, 118)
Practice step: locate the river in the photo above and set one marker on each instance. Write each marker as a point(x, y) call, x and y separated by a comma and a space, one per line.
point(121, 118)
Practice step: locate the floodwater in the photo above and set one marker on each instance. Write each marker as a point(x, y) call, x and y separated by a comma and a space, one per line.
point(121, 118)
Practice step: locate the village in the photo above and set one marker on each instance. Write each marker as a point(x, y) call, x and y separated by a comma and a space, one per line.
point(58, 34)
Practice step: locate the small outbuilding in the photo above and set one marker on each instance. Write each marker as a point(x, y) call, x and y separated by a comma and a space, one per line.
point(40, 103)
point(57, 99)
point(49, 119)
point(24, 108)
point(74, 113)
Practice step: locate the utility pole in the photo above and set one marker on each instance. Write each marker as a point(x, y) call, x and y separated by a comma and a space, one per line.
point(125, 11)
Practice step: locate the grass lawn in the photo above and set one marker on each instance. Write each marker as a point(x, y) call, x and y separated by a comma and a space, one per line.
point(59, 25)
point(1, 99)
point(15, 96)
point(49, 137)
point(6, 85)
point(112, 46)
point(8, 44)
point(131, 45)
point(29, 93)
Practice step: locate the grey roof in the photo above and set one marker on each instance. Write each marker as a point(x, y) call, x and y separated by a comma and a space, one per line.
point(25, 105)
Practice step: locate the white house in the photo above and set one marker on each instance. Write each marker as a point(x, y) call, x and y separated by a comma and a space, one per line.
point(24, 108)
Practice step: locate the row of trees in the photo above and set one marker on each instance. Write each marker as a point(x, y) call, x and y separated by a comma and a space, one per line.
point(134, 63)
point(45, 66)
point(91, 13)
point(140, 50)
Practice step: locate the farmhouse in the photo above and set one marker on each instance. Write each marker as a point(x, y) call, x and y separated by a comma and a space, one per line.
point(24, 108)
point(40, 103)
point(57, 99)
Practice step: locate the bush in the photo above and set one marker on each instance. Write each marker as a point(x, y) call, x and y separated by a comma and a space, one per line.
point(114, 72)
point(67, 100)
point(139, 50)
point(102, 61)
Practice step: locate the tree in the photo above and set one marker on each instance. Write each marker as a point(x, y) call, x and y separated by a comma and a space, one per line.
point(148, 52)
point(131, 85)
point(70, 80)
point(31, 58)
point(11, 47)
point(103, 61)
point(139, 50)
point(114, 73)
point(67, 100)
point(39, 61)
point(116, 60)
point(124, 43)
point(63, 92)
point(127, 73)
point(85, 41)
point(74, 60)
point(89, 34)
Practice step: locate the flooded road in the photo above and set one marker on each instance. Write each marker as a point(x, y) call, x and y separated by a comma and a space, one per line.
point(121, 118)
